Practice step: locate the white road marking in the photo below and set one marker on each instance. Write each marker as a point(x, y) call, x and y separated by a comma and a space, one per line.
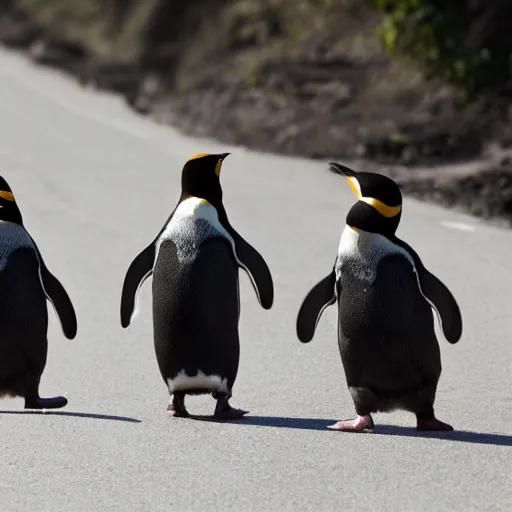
point(461, 226)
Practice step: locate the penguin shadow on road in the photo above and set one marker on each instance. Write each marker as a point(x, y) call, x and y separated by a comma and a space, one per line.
point(463, 436)
point(75, 415)
point(274, 421)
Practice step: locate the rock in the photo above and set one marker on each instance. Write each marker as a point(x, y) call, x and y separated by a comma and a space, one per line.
point(17, 31)
point(57, 52)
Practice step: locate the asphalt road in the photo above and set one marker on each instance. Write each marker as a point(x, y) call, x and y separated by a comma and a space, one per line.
point(95, 182)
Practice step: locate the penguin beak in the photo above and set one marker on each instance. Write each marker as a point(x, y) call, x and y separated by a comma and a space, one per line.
point(350, 175)
point(342, 169)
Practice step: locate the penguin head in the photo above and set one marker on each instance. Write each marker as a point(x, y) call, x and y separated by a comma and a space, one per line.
point(201, 177)
point(379, 205)
point(9, 210)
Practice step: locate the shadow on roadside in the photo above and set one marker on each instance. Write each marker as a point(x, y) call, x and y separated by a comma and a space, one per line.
point(463, 436)
point(76, 415)
point(274, 421)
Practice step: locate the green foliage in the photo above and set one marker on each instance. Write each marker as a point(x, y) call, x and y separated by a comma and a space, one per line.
point(252, 75)
point(470, 48)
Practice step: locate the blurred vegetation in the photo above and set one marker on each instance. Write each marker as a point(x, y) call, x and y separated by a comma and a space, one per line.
point(466, 42)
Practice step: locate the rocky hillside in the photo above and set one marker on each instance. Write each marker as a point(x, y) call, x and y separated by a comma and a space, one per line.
point(400, 85)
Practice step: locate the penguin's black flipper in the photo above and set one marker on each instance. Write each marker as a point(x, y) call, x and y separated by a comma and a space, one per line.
point(319, 298)
point(445, 304)
point(257, 269)
point(58, 297)
point(439, 296)
point(139, 270)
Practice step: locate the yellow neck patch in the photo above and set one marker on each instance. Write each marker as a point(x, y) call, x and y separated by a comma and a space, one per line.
point(382, 208)
point(354, 185)
point(8, 196)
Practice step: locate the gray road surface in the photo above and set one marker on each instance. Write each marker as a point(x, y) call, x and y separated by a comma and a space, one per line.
point(95, 182)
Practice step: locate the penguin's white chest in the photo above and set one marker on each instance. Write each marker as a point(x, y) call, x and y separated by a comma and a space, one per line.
point(194, 221)
point(360, 252)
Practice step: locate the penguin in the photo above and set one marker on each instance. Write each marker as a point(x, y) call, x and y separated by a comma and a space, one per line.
point(194, 262)
point(26, 284)
point(385, 298)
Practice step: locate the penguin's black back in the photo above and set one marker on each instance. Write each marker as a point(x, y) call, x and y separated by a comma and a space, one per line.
point(196, 308)
point(386, 329)
point(23, 308)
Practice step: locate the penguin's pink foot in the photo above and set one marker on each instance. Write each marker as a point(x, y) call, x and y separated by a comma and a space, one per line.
point(224, 411)
point(432, 425)
point(359, 424)
point(176, 412)
point(177, 407)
